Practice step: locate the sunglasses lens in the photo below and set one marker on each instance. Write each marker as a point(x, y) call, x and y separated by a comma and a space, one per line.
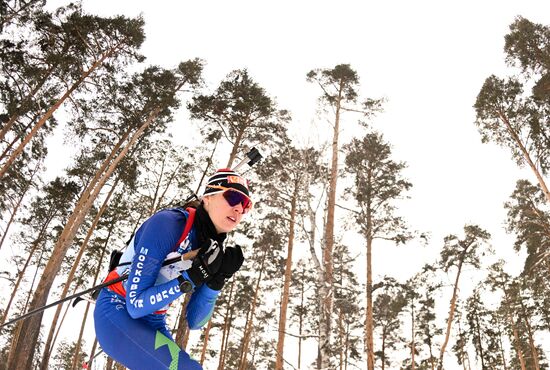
point(234, 198)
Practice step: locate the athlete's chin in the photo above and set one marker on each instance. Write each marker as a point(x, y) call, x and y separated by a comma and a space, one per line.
point(228, 226)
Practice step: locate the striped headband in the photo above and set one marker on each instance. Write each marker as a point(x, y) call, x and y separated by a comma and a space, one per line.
point(227, 178)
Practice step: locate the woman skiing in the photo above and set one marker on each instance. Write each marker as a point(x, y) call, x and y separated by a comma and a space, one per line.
point(130, 317)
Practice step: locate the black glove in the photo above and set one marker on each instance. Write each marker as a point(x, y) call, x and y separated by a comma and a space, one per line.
point(231, 263)
point(205, 264)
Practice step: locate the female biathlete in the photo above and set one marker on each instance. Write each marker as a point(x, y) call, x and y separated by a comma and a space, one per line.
point(130, 317)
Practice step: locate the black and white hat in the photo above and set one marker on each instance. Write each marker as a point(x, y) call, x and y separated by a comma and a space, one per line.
point(226, 178)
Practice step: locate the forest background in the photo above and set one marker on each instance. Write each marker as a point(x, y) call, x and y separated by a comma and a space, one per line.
point(418, 73)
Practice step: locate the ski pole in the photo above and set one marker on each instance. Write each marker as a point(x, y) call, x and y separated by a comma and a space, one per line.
point(252, 157)
point(68, 298)
point(89, 362)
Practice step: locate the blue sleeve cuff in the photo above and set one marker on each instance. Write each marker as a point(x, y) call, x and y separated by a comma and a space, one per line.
point(201, 305)
point(186, 277)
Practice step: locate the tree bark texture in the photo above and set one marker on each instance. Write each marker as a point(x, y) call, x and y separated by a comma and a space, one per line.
point(249, 324)
point(327, 294)
point(286, 284)
point(526, 156)
point(451, 314)
point(226, 327)
point(49, 345)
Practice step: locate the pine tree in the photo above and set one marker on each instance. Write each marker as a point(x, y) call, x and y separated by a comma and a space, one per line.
point(339, 92)
point(418, 293)
point(484, 335)
point(457, 253)
point(49, 210)
point(241, 112)
point(346, 303)
point(153, 91)
point(377, 185)
point(499, 280)
point(529, 219)
point(293, 167)
point(303, 308)
point(507, 114)
point(63, 359)
point(76, 45)
point(387, 308)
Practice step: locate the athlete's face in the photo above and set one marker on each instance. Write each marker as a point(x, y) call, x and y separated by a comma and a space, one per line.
point(224, 216)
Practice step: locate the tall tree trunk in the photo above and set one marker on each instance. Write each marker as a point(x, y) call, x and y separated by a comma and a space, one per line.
point(244, 342)
point(383, 349)
point(326, 293)
point(182, 327)
point(16, 208)
point(18, 329)
point(451, 314)
point(468, 359)
point(21, 273)
point(226, 326)
point(341, 336)
point(502, 351)
point(160, 198)
point(15, 138)
point(31, 326)
point(286, 284)
point(526, 156)
point(157, 188)
point(346, 346)
point(432, 357)
point(93, 354)
point(369, 326)
point(83, 247)
point(413, 344)
point(50, 342)
point(109, 364)
point(96, 277)
point(83, 196)
point(54, 107)
point(57, 328)
point(532, 347)
point(75, 364)
point(322, 286)
point(461, 354)
point(235, 148)
point(249, 325)
point(300, 325)
point(205, 342)
point(480, 346)
point(34, 277)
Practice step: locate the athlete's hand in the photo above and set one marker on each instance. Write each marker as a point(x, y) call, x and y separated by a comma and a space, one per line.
point(205, 265)
point(231, 263)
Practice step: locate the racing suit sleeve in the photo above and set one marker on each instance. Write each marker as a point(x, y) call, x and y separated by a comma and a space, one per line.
point(200, 306)
point(154, 240)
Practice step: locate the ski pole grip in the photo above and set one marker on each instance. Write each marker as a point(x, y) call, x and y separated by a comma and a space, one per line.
point(252, 157)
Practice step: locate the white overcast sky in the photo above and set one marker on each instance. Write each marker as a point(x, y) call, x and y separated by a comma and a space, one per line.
point(427, 58)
